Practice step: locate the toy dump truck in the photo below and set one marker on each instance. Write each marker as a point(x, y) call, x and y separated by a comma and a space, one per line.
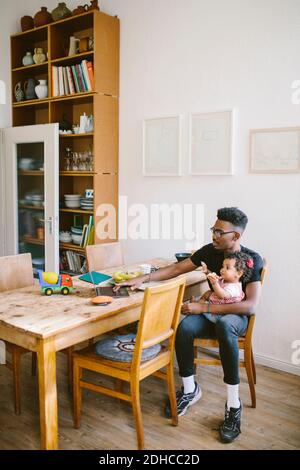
point(52, 283)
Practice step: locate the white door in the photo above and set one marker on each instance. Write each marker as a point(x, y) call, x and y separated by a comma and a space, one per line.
point(31, 169)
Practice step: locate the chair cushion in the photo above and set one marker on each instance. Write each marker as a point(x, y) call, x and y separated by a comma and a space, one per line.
point(121, 347)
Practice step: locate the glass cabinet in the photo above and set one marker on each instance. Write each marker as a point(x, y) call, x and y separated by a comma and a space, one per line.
point(31, 193)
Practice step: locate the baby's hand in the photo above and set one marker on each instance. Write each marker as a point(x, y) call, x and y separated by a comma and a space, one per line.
point(213, 278)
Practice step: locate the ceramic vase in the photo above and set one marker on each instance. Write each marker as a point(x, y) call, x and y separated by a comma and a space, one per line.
point(80, 9)
point(39, 57)
point(41, 90)
point(60, 12)
point(27, 23)
point(94, 5)
point(19, 94)
point(29, 86)
point(42, 17)
point(27, 59)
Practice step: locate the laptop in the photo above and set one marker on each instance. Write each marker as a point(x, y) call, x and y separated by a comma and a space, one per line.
point(109, 290)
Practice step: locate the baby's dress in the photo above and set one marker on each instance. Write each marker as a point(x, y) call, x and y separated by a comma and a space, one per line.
point(236, 295)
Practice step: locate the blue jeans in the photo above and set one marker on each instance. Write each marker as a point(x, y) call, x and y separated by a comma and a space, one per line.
point(227, 329)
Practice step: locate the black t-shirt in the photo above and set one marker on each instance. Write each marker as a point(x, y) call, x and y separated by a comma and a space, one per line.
point(214, 261)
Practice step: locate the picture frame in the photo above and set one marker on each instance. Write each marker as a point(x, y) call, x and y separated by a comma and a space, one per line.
point(274, 150)
point(162, 148)
point(211, 143)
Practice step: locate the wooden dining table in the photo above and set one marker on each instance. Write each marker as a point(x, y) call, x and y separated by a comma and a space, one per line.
point(48, 324)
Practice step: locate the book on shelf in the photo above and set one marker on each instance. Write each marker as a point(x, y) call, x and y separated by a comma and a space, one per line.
point(72, 79)
point(60, 81)
point(88, 233)
point(73, 68)
point(91, 73)
point(72, 261)
point(55, 80)
point(66, 82)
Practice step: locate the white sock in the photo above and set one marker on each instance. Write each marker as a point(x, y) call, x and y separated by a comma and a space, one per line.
point(188, 384)
point(233, 400)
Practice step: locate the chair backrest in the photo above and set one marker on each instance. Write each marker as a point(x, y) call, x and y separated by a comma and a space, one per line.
point(105, 255)
point(16, 272)
point(159, 317)
point(251, 321)
point(263, 271)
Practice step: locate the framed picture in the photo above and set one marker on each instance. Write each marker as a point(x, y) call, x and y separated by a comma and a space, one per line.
point(275, 150)
point(211, 143)
point(162, 146)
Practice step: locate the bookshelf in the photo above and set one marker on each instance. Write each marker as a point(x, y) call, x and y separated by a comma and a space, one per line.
point(99, 146)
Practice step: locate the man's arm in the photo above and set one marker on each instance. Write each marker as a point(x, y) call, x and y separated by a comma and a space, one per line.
point(253, 293)
point(162, 274)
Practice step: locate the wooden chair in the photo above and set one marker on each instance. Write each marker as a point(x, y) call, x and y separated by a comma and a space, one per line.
point(103, 256)
point(158, 322)
point(16, 272)
point(244, 343)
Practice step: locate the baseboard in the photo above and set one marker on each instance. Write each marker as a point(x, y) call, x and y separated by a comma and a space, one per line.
point(269, 362)
point(276, 364)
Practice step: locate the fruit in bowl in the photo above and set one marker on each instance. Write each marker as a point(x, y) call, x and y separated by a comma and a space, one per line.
point(120, 276)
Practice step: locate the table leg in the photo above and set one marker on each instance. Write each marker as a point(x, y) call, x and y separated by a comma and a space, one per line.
point(48, 395)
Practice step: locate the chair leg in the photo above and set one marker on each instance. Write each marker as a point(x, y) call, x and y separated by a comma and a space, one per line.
point(248, 365)
point(195, 356)
point(119, 387)
point(70, 351)
point(77, 394)
point(33, 363)
point(253, 367)
point(172, 395)
point(137, 414)
point(16, 363)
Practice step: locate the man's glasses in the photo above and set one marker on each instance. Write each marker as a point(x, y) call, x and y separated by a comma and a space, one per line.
point(219, 233)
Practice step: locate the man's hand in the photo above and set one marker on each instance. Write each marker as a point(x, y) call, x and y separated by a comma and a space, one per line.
point(134, 283)
point(193, 308)
point(204, 268)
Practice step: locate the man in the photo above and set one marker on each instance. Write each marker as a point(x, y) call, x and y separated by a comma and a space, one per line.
point(231, 321)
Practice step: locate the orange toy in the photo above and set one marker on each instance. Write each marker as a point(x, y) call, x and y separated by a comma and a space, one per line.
point(102, 300)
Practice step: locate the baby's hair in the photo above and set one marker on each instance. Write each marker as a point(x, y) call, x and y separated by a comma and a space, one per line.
point(243, 262)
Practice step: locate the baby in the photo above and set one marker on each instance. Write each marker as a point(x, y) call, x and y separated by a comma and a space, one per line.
point(227, 288)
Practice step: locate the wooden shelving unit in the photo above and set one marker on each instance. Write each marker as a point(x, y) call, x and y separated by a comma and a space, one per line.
point(77, 211)
point(72, 247)
point(102, 102)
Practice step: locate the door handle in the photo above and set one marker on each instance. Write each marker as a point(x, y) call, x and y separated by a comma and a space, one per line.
point(48, 220)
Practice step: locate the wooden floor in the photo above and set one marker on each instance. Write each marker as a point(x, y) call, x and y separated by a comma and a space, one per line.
point(108, 424)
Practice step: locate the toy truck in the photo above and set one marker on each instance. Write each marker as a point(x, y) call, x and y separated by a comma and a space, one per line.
point(52, 283)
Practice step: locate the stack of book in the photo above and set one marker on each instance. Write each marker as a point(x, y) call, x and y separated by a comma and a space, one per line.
point(72, 79)
point(71, 261)
point(88, 233)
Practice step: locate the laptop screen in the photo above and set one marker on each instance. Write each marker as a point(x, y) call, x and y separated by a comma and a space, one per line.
point(109, 290)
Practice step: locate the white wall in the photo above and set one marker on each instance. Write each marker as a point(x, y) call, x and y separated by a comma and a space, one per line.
point(179, 56)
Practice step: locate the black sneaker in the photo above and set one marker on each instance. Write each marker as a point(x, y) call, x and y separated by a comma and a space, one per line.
point(184, 400)
point(231, 427)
